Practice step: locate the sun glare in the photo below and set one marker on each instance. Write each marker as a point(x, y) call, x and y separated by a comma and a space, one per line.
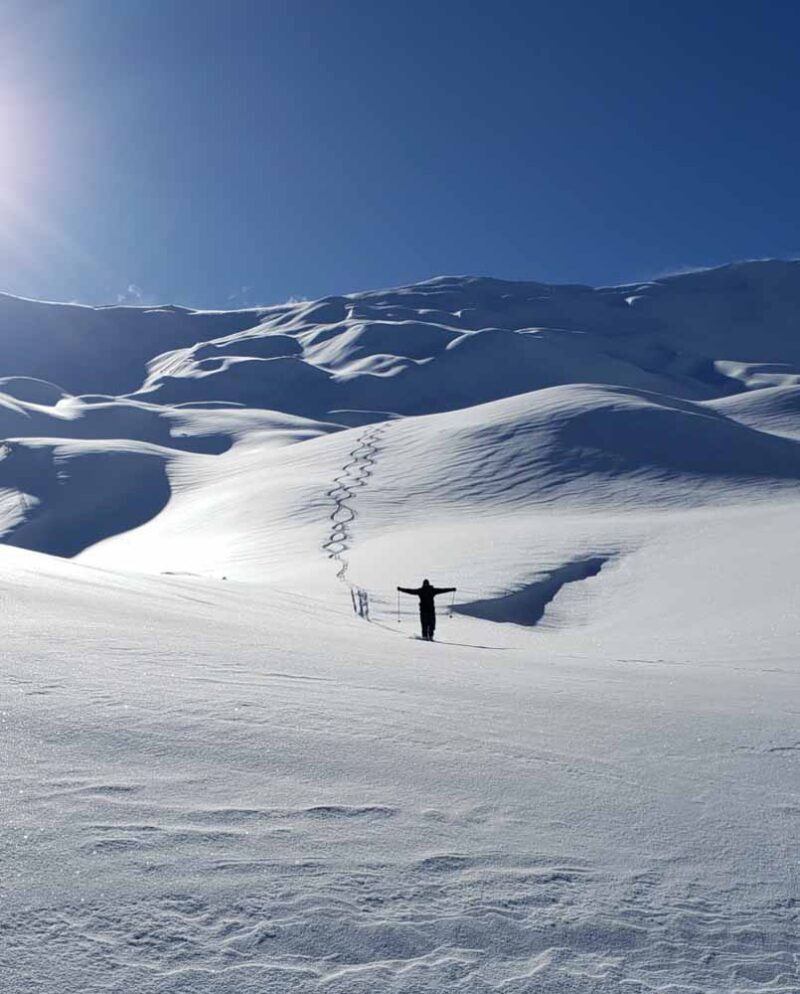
point(17, 148)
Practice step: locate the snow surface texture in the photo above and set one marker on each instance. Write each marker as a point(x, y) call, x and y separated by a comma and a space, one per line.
point(218, 777)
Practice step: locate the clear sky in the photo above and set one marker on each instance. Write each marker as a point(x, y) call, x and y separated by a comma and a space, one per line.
point(232, 152)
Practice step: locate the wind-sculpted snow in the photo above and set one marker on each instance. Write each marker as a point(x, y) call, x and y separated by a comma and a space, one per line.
point(93, 349)
point(412, 340)
point(673, 330)
point(202, 427)
point(436, 346)
point(527, 606)
point(222, 787)
point(73, 494)
point(775, 410)
point(216, 777)
point(206, 357)
point(26, 388)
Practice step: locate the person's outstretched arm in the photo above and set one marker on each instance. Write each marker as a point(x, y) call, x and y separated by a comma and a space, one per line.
point(444, 590)
point(408, 590)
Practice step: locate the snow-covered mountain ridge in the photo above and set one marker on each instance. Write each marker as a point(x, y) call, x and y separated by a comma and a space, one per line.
point(699, 335)
point(695, 379)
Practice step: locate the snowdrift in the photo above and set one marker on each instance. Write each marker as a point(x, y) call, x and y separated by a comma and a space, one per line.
point(62, 497)
point(775, 410)
point(92, 349)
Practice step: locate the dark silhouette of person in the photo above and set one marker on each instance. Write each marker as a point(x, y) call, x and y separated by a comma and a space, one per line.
point(427, 609)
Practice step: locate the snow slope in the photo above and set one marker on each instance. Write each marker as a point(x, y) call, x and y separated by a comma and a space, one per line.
point(217, 776)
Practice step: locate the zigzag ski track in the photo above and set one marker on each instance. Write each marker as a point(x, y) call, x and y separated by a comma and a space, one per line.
point(354, 475)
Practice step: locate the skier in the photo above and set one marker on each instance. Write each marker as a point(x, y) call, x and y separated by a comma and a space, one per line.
point(427, 610)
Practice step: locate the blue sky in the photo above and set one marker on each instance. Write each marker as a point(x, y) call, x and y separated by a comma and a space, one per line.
point(233, 152)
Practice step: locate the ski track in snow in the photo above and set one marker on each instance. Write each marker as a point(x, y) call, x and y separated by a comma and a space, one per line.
point(355, 474)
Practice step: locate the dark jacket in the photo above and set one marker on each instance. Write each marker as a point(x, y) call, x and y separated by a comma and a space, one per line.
point(426, 594)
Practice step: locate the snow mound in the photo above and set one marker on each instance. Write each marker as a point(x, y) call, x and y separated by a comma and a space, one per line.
point(585, 449)
point(408, 339)
point(203, 428)
point(589, 446)
point(61, 497)
point(775, 409)
point(286, 384)
point(200, 357)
